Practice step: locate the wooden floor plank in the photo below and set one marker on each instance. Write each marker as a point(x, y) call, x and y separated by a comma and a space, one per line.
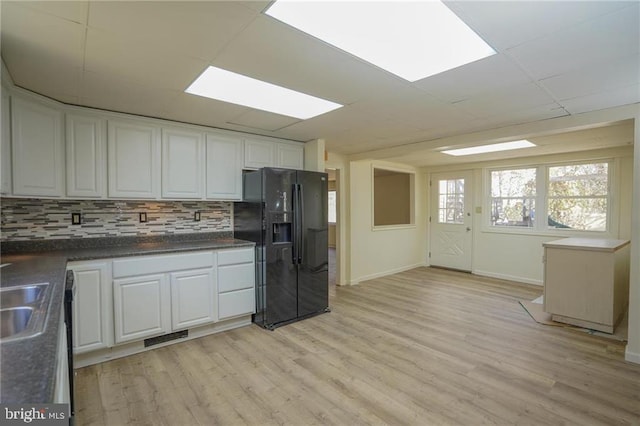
point(426, 346)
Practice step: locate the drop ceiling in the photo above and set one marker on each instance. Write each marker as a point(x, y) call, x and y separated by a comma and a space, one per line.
point(554, 59)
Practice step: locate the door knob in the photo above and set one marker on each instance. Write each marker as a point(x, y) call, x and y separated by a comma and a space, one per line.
point(468, 229)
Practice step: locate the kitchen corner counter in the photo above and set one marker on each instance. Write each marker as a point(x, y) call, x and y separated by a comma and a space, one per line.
point(28, 365)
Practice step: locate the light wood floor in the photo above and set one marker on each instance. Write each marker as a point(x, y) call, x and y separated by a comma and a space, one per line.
point(422, 347)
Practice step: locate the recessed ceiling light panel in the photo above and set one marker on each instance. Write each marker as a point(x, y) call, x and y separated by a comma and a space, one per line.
point(227, 86)
point(506, 146)
point(412, 39)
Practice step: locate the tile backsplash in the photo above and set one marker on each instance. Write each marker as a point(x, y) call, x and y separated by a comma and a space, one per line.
point(33, 219)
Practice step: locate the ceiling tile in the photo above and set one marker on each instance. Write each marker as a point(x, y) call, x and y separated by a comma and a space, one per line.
point(505, 24)
point(198, 29)
point(31, 33)
point(603, 39)
point(477, 77)
point(199, 110)
point(148, 64)
point(74, 11)
point(262, 120)
point(109, 92)
point(506, 101)
point(596, 78)
point(597, 101)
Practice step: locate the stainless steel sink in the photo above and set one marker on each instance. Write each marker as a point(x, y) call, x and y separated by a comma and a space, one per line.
point(23, 311)
point(21, 296)
point(14, 321)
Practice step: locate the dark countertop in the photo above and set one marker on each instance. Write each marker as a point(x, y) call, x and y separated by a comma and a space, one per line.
point(27, 366)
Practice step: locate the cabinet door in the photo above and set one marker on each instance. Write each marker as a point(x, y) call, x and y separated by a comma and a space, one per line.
point(134, 160)
point(258, 154)
point(92, 307)
point(193, 297)
point(86, 156)
point(224, 168)
point(5, 144)
point(290, 156)
point(182, 164)
point(37, 148)
point(141, 307)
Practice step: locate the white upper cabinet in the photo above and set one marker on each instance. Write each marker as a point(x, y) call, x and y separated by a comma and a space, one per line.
point(182, 164)
point(5, 143)
point(134, 160)
point(86, 156)
point(258, 154)
point(290, 156)
point(38, 149)
point(224, 167)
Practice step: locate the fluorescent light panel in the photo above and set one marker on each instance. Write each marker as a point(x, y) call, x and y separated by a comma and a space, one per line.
point(227, 86)
point(506, 146)
point(411, 39)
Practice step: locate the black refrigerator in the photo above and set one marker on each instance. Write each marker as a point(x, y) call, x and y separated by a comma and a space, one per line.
point(285, 213)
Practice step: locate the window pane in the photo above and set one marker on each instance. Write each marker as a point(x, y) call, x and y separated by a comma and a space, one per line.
point(588, 214)
point(578, 180)
point(513, 212)
point(578, 196)
point(513, 183)
point(513, 197)
point(332, 206)
point(451, 201)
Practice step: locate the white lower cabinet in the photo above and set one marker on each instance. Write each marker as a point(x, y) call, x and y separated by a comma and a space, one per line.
point(141, 307)
point(192, 298)
point(121, 302)
point(92, 306)
point(236, 283)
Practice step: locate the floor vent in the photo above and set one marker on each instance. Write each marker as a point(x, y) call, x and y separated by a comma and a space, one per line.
point(165, 338)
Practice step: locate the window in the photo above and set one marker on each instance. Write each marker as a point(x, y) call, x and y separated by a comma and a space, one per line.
point(513, 197)
point(570, 196)
point(332, 206)
point(451, 201)
point(577, 196)
point(393, 198)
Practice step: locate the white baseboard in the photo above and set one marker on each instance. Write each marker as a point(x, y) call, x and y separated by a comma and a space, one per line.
point(508, 277)
point(387, 272)
point(631, 356)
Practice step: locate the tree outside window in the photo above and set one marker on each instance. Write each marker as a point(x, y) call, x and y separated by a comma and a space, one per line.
point(577, 196)
point(513, 197)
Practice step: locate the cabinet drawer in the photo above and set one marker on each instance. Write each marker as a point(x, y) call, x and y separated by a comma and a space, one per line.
point(236, 303)
point(162, 263)
point(230, 257)
point(236, 277)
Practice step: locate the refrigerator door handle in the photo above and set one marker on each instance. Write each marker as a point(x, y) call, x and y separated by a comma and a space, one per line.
point(296, 207)
point(301, 224)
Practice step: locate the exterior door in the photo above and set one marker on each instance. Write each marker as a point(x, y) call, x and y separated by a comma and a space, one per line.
point(451, 220)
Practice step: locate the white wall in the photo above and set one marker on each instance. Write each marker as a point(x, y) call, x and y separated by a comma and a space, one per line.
point(518, 256)
point(633, 345)
point(343, 241)
point(381, 252)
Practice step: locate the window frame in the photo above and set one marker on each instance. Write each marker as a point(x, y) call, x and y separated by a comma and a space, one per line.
point(541, 228)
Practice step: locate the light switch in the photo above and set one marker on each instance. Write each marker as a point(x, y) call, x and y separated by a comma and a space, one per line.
point(76, 218)
point(143, 217)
